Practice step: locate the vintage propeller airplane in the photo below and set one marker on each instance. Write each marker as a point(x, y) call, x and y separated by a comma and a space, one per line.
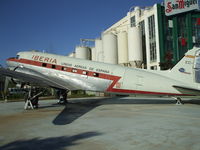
point(65, 73)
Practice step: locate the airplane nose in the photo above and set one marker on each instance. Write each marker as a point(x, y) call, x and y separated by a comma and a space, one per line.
point(11, 63)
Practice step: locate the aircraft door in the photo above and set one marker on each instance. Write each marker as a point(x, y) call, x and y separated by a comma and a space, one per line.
point(197, 67)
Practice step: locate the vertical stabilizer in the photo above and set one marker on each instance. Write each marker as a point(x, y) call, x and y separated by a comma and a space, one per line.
point(184, 70)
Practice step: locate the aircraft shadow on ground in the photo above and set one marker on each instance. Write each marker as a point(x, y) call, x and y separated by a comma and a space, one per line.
point(54, 143)
point(124, 100)
point(73, 111)
point(77, 109)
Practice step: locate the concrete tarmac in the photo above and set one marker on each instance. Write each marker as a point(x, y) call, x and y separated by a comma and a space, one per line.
point(127, 123)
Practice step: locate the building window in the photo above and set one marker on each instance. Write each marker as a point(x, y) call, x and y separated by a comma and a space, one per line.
point(169, 35)
point(196, 31)
point(152, 39)
point(182, 30)
point(142, 28)
point(44, 65)
point(133, 23)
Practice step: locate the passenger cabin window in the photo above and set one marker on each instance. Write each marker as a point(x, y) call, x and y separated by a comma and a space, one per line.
point(85, 72)
point(53, 66)
point(64, 68)
point(74, 70)
point(96, 74)
point(44, 65)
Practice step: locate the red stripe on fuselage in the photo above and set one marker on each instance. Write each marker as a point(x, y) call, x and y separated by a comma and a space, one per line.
point(115, 79)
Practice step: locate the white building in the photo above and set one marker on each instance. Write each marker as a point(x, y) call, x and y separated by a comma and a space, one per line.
point(138, 38)
point(132, 41)
point(154, 37)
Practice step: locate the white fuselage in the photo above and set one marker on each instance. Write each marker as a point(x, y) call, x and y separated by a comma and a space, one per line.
point(75, 74)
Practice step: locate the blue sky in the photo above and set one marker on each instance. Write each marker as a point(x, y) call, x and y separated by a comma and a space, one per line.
point(56, 26)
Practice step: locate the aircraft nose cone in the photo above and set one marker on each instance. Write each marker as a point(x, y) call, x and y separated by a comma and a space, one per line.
point(11, 63)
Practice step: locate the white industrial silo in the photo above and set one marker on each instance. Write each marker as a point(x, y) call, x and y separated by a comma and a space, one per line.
point(99, 50)
point(110, 48)
point(93, 54)
point(71, 55)
point(122, 42)
point(135, 56)
point(82, 52)
point(137, 13)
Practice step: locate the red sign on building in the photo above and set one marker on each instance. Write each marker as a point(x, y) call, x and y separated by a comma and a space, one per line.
point(173, 7)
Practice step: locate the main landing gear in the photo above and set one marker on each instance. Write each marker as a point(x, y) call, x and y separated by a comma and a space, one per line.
point(178, 101)
point(32, 98)
point(62, 97)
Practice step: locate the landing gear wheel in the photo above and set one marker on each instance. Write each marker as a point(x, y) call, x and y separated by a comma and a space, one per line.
point(63, 97)
point(179, 101)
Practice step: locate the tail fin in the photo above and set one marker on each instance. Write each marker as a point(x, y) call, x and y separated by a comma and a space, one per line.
point(187, 68)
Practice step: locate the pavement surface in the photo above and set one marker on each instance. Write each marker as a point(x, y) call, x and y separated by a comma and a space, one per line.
point(126, 123)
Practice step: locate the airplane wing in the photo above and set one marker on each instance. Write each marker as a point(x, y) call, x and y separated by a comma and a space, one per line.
point(187, 90)
point(31, 78)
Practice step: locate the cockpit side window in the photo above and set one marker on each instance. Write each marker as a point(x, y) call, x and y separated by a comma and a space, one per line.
point(17, 57)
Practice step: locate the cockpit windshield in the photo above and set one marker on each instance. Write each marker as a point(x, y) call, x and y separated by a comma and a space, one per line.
point(17, 57)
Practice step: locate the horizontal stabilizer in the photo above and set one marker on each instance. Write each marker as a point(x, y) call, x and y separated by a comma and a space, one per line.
point(187, 90)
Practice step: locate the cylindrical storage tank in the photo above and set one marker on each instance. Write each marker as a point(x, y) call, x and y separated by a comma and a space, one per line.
point(135, 45)
point(122, 42)
point(137, 14)
point(72, 55)
point(99, 50)
point(82, 52)
point(110, 48)
point(93, 54)
point(136, 8)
